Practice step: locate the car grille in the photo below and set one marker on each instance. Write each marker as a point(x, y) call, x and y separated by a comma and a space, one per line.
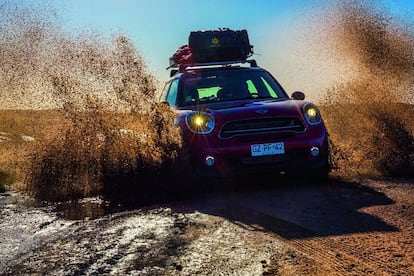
point(261, 125)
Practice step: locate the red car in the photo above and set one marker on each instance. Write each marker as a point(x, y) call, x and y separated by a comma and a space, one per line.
point(236, 118)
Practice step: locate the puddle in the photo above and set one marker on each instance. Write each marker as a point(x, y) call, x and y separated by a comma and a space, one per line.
point(88, 208)
point(100, 206)
point(5, 180)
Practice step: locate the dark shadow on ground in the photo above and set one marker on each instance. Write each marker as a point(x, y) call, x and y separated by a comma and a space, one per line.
point(289, 207)
point(294, 208)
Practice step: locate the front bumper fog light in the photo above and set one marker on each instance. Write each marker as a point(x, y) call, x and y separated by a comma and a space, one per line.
point(315, 151)
point(210, 160)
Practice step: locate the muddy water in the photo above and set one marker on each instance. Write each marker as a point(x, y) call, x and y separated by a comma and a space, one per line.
point(111, 134)
point(100, 206)
point(367, 113)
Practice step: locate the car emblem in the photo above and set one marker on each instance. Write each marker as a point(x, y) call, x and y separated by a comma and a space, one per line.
point(261, 111)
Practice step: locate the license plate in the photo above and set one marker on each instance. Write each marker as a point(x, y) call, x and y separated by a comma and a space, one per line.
point(267, 149)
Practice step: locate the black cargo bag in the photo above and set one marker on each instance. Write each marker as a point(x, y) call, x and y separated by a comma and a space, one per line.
point(220, 45)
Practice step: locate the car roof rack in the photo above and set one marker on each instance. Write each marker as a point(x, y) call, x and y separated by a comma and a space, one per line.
point(207, 65)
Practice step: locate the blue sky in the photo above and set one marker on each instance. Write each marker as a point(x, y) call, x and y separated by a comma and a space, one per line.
point(158, 27)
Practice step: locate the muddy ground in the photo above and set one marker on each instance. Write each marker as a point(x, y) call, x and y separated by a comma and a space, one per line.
point(338, 228)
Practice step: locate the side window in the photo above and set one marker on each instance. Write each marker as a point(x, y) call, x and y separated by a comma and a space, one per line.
point(171, 97)
point(164, 92)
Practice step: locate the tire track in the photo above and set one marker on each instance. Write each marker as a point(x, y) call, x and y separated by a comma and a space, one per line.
point(337, 258)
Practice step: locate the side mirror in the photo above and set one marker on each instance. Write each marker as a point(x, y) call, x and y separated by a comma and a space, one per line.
point(299, 96)
point(173, 72)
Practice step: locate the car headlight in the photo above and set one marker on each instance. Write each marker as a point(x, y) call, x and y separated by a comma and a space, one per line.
point(200, 122)
point(312, 114)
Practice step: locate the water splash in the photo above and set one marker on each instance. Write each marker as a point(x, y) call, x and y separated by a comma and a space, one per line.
point(111, 134)
point(368, 115)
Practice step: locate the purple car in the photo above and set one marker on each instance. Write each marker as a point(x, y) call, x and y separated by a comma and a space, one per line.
point(236, 118)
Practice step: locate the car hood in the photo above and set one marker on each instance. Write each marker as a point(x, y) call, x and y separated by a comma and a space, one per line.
point(284, 107)
point(235, 110)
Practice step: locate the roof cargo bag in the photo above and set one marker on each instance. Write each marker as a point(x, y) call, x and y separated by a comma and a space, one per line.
point(219, 45)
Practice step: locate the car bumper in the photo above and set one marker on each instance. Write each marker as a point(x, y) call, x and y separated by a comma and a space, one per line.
point(236, 159)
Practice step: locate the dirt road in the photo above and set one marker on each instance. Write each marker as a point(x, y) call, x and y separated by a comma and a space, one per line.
point(341, 228)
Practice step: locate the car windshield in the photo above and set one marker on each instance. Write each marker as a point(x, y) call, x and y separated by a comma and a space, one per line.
point(200, 87)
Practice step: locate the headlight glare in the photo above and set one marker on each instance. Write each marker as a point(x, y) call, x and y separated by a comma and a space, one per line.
point(200, 122)
point(312, 114)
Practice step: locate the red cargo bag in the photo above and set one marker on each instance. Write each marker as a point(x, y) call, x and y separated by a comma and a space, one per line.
point(183, 55)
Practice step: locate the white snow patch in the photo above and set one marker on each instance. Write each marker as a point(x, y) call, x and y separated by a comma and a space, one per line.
point(126, 131)
point(95, 200)
point(24, 229)
point(4, 137)
point(143, 231)
point(228, 246)
point(27, 138)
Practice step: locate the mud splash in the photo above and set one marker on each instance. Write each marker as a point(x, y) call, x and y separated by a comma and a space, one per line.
point(368, 115)
point(111, 135)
